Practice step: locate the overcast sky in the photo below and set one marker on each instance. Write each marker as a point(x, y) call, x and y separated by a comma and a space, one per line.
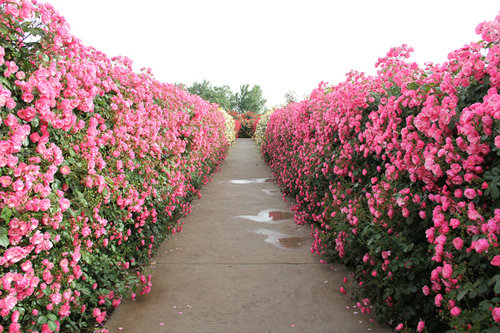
point(279, 45)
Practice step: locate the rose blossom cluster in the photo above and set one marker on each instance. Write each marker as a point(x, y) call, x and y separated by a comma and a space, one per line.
point(398, 175)
point(97, 165)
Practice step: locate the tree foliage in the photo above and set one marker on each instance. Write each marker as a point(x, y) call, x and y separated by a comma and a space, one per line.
point(246, 100)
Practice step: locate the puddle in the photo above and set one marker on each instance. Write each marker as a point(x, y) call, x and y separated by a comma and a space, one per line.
point(291, 242)
point(240, 181)
point(250, 181)
point(269, 192)
point(280, 240)
point(269, 216)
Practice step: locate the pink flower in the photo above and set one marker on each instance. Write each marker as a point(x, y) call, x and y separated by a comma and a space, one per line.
point(496, 260)
point(497, 141)
point(399, 327)
point(421, 326)
point(65, 170)
point(18, 185)
point(470, 193)
point(454, 223)
point(481, 245)
point(64, 204)
point(64, 311)
point(455, 311)
point(426, 290)
point(447, 271)
point(458, 243)
point(437, 299)
point(44, 204)
point(495, 313)
point(14, 254)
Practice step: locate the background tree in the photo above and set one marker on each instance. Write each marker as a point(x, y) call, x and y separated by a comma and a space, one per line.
point(290, 97)
point(221, 95)
point(250, 100)
point(246, 100)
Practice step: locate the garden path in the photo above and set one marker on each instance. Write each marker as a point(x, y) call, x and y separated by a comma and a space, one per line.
point(242, 265)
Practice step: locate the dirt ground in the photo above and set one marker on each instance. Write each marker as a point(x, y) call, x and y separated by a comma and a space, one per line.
point(242, 265)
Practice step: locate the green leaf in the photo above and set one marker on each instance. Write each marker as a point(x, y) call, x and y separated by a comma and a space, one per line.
point(6, 213)
point(52, 326)
point(462, 294)
point(482, 288)
point(52, 317)
point(496, 280)
point(412, 86)
point(492, 330)
point(495, 193)
point(4, 237)
point(72, 212)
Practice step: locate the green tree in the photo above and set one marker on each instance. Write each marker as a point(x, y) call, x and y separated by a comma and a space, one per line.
point(219, 95)
point(246, 100)
point(290, 97)
point(250, 100)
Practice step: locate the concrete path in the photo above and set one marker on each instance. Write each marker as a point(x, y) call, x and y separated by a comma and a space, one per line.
point(242, 265)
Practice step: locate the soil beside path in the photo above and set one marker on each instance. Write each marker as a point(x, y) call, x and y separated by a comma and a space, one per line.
point(242, 265)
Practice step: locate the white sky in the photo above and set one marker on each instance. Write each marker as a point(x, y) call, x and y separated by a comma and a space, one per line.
point(280, 45)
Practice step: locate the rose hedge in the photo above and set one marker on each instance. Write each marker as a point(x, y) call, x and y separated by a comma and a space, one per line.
point(230, 128)
point(97, 165)
point(399, 175)
point(245, 123)
point(260, 128)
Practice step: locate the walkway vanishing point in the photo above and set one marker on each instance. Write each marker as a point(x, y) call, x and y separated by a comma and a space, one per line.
point(242, 265)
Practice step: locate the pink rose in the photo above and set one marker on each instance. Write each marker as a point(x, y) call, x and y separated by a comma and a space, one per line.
point(437, 299)
point(455, 223)
point(495, 313)
point(470, 193)
point(15, 254)
point(447, 271)
point(65, 170)
point(44, 204)
point(481, 245)
point(421, 326)
point(64, 204)
point(496, 261)
point(18, 185)
point(458, 243)
point(455, 311)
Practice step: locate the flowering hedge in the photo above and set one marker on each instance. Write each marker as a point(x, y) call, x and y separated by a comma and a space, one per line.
point(245, 123)
point(260, 128)
point(97, 164)
point(399, 176)
point(230, 131)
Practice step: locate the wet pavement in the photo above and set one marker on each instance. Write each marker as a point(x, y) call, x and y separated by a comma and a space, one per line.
point(242, 265)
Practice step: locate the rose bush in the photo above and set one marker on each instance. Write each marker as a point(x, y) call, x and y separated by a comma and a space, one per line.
point(398, 175)
point(230, 131)
point(97, 165)
point(246, 123)
point(260, 129)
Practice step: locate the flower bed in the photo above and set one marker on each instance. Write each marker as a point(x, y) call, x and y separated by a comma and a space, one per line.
point(399, 175)
point(97, 165)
